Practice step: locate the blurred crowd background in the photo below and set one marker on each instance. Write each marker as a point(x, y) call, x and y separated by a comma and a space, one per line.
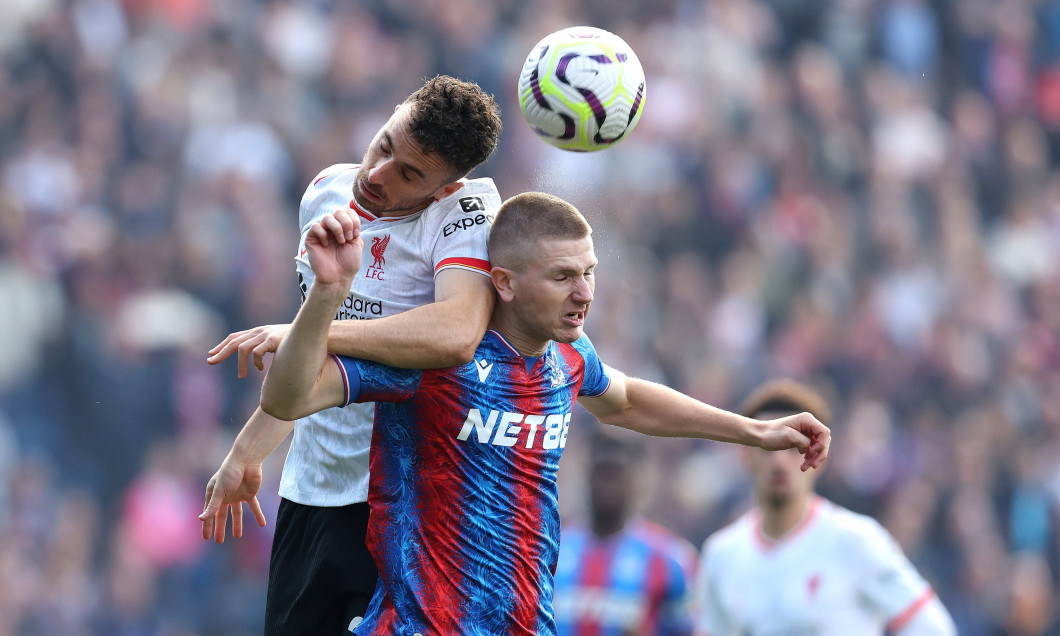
point(861, 194)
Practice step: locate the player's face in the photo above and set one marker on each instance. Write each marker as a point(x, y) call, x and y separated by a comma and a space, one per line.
point(610, 489)
point(554, 290)
point(396, 178)
point(778, 477)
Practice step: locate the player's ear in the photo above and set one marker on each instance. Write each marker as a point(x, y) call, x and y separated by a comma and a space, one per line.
point(447, 189)
point(502, 282)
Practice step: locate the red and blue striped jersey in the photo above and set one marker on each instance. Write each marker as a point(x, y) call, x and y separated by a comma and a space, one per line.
point(637, 581)
point(465, 521)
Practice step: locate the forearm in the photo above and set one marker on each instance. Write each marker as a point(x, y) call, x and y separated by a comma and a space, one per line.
point(436, 335)
point(302, 354)
point(654, 409)
point(260, 436)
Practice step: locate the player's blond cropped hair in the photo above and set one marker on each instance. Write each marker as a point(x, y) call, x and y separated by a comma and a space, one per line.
point(528, 218)
point(786, 396)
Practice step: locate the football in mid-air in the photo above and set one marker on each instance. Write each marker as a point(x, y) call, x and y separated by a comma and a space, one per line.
point(582, 88)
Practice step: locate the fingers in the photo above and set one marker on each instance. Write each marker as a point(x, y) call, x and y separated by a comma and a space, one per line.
point(351, 224)
point(259, 355)
point(340, 226)
point(221, 345)
point(221, 520)
point(255, 507)
point(817, 454)
point(222, 350)
point(208, 511)
point(318, 234)
point(339, 231)
point(237, 521)
point(241, 363)
point(253, 342)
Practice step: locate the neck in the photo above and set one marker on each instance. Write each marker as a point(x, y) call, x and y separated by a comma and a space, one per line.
point(391, 213)
point(777, 521)
point(527, 345)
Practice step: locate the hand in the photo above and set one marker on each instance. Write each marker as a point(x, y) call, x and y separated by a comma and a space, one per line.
point(257, 341)
point(801, 431)
point(334, 245)
point(230, 486)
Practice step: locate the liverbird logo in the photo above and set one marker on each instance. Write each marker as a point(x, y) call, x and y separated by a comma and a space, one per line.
point(375, 270)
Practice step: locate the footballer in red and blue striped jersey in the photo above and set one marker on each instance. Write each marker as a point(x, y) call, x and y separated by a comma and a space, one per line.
point(465, 521)
point(636, 581)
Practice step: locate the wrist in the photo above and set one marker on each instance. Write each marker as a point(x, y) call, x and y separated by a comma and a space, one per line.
point(332, 290)
point(243, 456)
point(755, 432)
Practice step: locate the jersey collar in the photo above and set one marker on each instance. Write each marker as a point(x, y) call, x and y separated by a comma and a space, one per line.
point(767, 543)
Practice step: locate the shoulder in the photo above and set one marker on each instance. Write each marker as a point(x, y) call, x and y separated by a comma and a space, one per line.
point(735, 536)
point(329, 183)
point(584, 347)
point(854, 532)
point(665, 542)
point(476, 196)
point(326, 177)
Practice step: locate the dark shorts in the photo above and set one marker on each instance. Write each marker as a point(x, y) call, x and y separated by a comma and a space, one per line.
point(321, 575)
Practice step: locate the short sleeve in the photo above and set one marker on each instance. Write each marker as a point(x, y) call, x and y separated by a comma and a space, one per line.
point(675, 615)
point(464, 225)
point(710, 616)
point(889, 582)
point(595, 380)
point(367, 381)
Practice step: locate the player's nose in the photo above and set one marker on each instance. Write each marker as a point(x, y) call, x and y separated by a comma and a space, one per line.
point(583, 293)
point(378, 172)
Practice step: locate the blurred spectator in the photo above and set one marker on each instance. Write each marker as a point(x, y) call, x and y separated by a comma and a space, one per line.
point(619, 573)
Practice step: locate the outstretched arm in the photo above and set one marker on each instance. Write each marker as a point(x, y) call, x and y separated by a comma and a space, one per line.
point(301, 380)
point(654, 409)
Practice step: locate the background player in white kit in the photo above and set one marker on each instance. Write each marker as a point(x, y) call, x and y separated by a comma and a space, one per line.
point(799, 565)
point(426, 278)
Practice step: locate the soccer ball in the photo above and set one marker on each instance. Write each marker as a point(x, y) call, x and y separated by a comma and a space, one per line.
point(582, 88)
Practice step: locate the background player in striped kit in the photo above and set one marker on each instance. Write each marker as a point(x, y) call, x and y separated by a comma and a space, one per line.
point(621, 574)
point(465, 522)
point(427, 283)
point(798, 564)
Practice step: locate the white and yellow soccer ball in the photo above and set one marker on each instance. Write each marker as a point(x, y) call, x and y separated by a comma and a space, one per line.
point(582, 89)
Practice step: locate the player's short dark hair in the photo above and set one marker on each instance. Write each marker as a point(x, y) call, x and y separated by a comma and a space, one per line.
point(455, 119)
point(527, 218)
point(786, 396)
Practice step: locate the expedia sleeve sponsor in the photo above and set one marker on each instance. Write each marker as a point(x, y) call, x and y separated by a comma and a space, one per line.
point(465, 223)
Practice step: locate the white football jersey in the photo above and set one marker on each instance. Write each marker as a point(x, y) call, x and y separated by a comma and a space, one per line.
point(327, 464)
point(836, 573)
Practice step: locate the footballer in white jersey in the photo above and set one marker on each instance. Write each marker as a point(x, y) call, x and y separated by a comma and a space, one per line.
point(836, 573)
point(799, 565)
point(327, 464)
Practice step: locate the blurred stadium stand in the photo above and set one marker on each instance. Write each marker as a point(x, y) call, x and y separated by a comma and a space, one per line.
point(859, 194)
